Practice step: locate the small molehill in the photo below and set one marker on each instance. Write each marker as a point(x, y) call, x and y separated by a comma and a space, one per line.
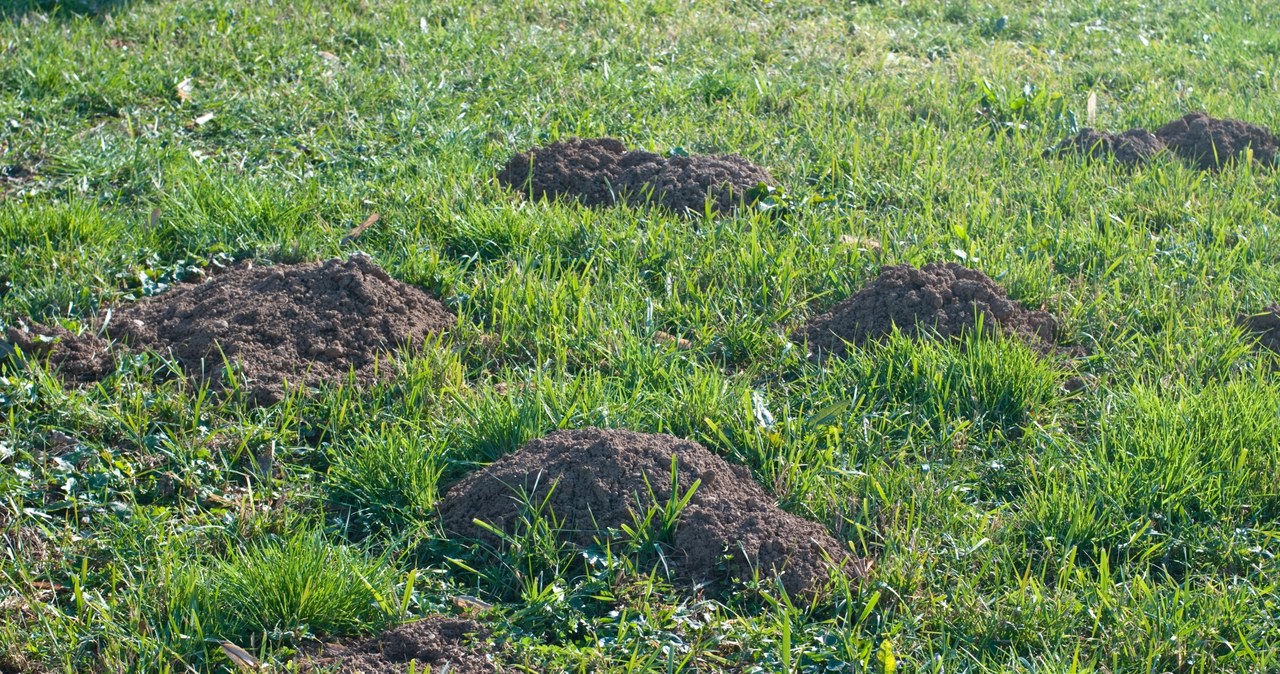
point(1206, 142)
point(1132, 147)
point(1211, 143)
point(303, 324)
point(1265, 325)
point(603, 172)
point(82, 359)
point(429, 645)
point(942, 297)
point(596, 480)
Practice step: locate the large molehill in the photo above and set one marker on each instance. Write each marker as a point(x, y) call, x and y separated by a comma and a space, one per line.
point(603, 172)
point(942, 298)
point(594, 480)
point(280, 325)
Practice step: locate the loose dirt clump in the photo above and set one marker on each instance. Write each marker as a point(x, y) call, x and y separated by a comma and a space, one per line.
point(594, 479)
point(306, 324)
point(602, 172)
point(1132, 147)
point(1265, 325)
point(1212, 143)
point(941, 297)
point(82, 359)
point(430, 645)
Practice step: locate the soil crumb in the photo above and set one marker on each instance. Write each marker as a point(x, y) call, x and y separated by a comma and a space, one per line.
point(1265, 325)
point(282, 325)
point(941, 296)
point(1212, 143)
point(602, 172)
point(81, 359)
point(1132, 147)
point(595, 479)
point(430, 645)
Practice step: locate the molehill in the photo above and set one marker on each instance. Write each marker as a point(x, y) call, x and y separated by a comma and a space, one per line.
point(429, 645)
point(1135, 146)
point(1207, 143)
point(602, 172)
point(941, 297)
point(1265, 325)
point(596, 480)
point(281, 325)
point(1210, 143)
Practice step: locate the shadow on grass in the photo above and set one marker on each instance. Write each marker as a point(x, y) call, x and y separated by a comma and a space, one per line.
point(16, 10)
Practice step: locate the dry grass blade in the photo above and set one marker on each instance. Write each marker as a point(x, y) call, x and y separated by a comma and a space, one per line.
point(468, 603)
point(242, 658)
point(364, 226)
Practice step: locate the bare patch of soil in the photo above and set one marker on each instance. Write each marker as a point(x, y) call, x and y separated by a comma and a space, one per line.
point(602, 172)
point(430, 645)
point(595, 479)
point(1265, 325)
point(941, 297)
point(1132, 147)
point(1212, 143)
point(282, 325)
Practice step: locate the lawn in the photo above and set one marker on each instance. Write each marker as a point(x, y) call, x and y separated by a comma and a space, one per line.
point(1112, 507)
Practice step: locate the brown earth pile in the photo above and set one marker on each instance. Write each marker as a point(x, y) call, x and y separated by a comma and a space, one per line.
point(941, 296)
point(1265, 325)
point(602, 172)
point(596, 480)
point(430, 645)
point(304, 324)
point(1211, 143)
point(1135, 146)
point(81, 358)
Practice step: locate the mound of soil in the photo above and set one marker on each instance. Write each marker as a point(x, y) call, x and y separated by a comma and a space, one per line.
point(596, 480)
point(303, 324)
point(1212, 143)
point(583, 169)
point(82, 358)
point(430, 645)
point(602, 172)
point(1135, 146)
point(1266, 325)
point(941, 297)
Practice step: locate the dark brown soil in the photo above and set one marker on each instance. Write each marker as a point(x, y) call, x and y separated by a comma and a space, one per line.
point(1265, 325)
point(304, 324)
point(1211, 143)
point(942, 296)
point(18, 664)
point(16, 176)
point(82, 358)
point(1135, 146)
point(596, 481)
point(602, 172)
point(434, 642)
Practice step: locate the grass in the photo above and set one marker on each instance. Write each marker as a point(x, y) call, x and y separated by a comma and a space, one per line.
point(1130, 527)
